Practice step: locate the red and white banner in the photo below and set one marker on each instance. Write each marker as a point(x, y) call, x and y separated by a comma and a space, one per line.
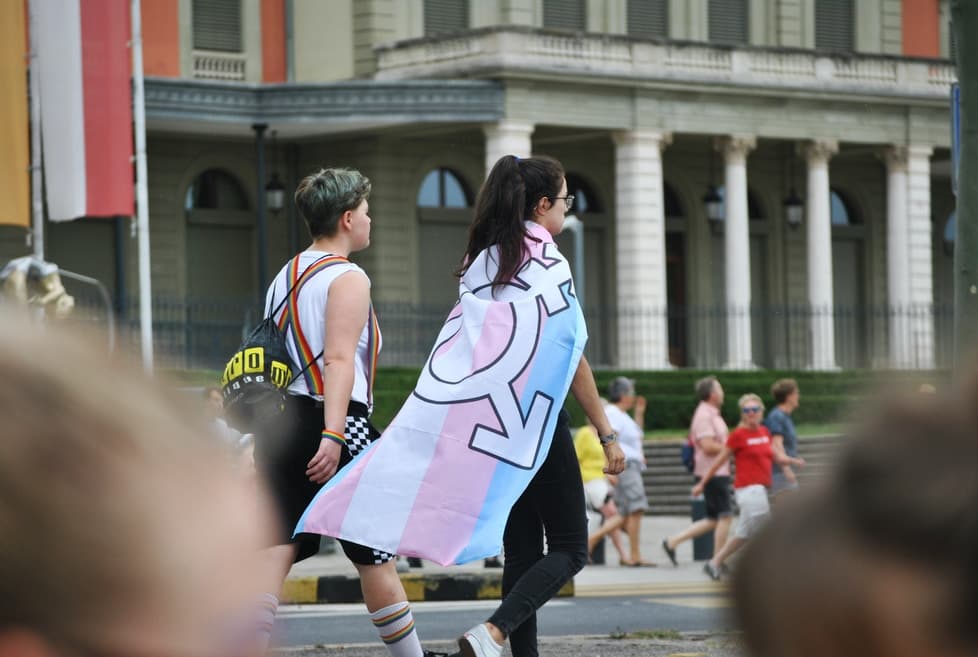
point(86, 107)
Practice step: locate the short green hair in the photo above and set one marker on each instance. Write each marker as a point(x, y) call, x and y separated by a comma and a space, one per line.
point(324, 196)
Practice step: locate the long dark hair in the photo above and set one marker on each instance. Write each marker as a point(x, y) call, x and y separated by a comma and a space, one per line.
point(507, 198)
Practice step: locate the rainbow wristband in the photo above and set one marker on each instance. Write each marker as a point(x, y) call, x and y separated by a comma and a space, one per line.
point(335, 437)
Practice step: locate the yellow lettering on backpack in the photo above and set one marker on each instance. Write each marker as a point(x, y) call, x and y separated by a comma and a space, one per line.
point(233, 369)
point(254, 359)
point(280, 374)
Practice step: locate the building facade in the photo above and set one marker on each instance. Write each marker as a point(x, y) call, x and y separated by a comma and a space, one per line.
point(820, 126)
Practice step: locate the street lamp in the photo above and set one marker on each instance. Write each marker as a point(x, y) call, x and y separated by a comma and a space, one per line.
point(794, 209)
point(275, 195)
point(714, 206)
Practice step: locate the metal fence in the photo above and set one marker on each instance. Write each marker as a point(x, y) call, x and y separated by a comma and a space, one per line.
point(203, 333)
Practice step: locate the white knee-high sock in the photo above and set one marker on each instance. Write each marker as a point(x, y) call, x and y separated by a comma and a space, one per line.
point(395, 625)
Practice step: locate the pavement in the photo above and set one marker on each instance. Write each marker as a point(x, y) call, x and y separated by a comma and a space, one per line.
point(330, 577)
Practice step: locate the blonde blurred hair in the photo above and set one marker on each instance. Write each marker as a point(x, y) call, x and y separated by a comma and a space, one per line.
point(110, 498)
point(750, 397)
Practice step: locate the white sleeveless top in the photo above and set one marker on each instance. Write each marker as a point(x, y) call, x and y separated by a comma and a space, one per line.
point(311, 298)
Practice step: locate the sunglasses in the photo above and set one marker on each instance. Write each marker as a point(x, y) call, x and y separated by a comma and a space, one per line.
point(751, 409)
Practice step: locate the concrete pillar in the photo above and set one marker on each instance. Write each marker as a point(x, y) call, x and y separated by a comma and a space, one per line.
point(921, 276)
point(819, 220)
point(506, 138)
point(897, 257)
point(640, 239)
point(737, 250)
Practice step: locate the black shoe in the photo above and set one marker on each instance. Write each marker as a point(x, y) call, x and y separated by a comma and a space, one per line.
point(492, 562)
point(671, 553)
point(414, 562)
point(432, 653)
point(714, 573)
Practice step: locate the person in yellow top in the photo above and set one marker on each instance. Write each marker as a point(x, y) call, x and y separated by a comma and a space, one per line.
point(598, 489)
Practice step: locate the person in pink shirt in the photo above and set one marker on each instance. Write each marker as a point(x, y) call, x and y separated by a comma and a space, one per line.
point(708, 432)
point(751, 446)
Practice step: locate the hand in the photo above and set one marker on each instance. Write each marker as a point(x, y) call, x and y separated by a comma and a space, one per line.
point(640, 404)
point(799, 462)
point(698, 489)
point(612, 479)
point(789, 476)
point(616, 458)
point(323, 464)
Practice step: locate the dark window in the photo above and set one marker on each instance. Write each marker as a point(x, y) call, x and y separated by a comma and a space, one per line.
point(671, 200)
point(217, 25)
point(755, 211)
point(565, 15)
point(841, 211)
point(445, 16)
point(215, 189)
point(648, 18)
point(833, 25)
point(728, 21)
point(443, 188)
point(585, 200)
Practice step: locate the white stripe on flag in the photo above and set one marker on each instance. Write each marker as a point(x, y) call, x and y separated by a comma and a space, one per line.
point(62, 107)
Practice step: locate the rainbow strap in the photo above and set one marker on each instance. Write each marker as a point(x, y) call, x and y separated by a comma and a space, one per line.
point(373, 351)
point(290, 316)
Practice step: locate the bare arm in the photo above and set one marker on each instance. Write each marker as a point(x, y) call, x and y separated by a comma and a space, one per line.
point(346, 315)
point(586, 394)
point(710, 445)
point(717, 464)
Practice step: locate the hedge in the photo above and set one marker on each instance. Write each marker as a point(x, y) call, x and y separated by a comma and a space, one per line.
point(825, 396)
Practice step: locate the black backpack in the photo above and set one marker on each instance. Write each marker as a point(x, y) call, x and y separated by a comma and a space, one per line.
point(259, 373)
point(687, 455)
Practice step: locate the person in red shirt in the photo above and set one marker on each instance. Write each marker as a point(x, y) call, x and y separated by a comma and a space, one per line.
point(750, 445)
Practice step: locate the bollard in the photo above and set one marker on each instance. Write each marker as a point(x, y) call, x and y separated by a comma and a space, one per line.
point(702, 545)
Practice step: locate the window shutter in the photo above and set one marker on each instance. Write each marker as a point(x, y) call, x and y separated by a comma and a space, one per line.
point(217, 25)
point(648, 18)
point(833, 25)
point(728, 21)
point(565, 15)
point(445, 16)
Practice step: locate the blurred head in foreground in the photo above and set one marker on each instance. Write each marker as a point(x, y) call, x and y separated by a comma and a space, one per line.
point(123, 530)
point(883, 559)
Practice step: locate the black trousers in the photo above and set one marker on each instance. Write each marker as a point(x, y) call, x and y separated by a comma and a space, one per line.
point(552, 506)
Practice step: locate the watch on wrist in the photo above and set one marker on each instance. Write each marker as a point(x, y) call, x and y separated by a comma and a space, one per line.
point(610, 438)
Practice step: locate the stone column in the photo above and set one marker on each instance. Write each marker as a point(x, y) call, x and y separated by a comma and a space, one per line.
point(507, 138)
point(640, 241)
point(921, 267)
point(737, 250)
point(897, 257)
point(819, 220)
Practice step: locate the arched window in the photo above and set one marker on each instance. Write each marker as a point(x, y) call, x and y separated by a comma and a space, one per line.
point(585, 199)
point(443, 188)
point(841, 210)
point(215, 189)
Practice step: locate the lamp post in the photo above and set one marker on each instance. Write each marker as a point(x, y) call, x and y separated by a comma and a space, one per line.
point(259, 129)
point(576, 226)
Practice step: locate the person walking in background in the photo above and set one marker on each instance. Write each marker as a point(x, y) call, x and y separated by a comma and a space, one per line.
point(708, 432)
point(750, 445)
point(598, 489)
point(630, 491)
point(125, 530)
point(332, 332)
point(784, 440)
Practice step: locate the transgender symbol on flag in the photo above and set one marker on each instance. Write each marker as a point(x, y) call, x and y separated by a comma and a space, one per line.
point(441, 480)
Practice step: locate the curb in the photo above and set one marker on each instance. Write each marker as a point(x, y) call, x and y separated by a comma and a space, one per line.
point(441, 587)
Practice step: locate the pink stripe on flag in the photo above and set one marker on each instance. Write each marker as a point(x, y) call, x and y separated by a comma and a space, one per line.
point(106, 72)
point(497, 328)
point(451, 518)
point(326, 514)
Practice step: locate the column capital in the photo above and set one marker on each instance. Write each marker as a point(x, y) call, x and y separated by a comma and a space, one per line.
point(735, 146)
point(896, 158)
point(623, 137)
point(818, 151)
point(505, 127)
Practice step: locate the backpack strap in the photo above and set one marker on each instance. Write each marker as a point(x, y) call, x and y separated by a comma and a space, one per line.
point(313, 376)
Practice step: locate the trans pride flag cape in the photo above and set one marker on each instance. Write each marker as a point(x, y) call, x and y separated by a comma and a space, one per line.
point(440, 482)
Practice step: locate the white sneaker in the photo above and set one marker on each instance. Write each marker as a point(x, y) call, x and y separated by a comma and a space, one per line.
point(477, 642)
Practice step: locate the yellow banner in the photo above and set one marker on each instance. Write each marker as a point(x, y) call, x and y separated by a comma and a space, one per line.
point(15, 155)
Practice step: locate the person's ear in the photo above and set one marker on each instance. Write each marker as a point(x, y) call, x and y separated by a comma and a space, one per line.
point(346, 219)
point(543, 205)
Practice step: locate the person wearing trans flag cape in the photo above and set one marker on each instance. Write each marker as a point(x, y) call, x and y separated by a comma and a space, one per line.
point(481, 452)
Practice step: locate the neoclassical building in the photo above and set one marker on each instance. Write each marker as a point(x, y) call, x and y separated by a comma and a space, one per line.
point(761, 183)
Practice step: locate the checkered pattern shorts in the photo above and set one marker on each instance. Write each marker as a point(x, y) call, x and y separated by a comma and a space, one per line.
point(359, 434)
